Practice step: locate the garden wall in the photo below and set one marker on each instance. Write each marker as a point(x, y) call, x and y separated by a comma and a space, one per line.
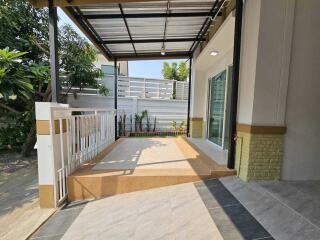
point(165, 110)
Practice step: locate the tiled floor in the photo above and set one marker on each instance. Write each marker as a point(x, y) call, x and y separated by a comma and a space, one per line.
point(231, 218)
point(175, 212)
point(287, 210)
point(217, 154)
point(215, 209)
point(145, 153)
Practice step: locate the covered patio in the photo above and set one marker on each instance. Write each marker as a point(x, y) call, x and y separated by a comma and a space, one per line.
point(170, 188)
point(125, 30)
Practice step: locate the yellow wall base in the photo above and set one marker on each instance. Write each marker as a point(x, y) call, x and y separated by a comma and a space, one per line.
point(196, 127)
point(46, 196)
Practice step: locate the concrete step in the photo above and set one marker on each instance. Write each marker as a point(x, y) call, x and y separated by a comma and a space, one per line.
point(161, 162)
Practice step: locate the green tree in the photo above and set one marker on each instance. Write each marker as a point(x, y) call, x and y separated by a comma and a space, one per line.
point(21, 84)
point(77, 58)
point(175, 71)
point(15, 86)
point(26, 78)
point(24, 29)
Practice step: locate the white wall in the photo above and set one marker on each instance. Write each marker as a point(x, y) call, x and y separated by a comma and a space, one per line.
point(207, 66)
point(165, 111)
point(265, 58)
point(302, 142)
point(273, 60)
point(249, 48)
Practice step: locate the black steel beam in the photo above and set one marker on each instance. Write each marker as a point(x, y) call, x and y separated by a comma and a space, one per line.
point(189, 98)
point(128, 30)
point(150, 56)
point(165, 26)
point(53, 45)
point(235, 84)
point(203, 30)
point(84, 23)
point(153, 40)
point(146, 15)
point(116, 98)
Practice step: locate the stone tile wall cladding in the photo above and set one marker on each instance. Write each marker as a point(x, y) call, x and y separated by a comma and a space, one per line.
point(259, 156)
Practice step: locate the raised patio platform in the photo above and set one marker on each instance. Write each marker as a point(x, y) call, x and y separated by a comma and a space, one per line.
point(134, 164)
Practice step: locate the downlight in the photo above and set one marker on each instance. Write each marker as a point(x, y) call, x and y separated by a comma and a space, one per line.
point(214, 53)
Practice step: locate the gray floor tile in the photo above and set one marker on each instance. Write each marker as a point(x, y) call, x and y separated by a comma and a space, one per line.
point(59, 223)
point(300, 199)
point(287, 210)
point(235, 223)
point(214, 194)
point(231, 218)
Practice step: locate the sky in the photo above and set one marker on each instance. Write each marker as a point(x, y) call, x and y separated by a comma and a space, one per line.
point(147, 69)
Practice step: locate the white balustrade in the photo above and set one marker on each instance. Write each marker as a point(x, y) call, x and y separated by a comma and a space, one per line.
point(83, 134)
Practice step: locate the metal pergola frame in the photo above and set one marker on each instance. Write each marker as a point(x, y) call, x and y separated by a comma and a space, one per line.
point(83, 22)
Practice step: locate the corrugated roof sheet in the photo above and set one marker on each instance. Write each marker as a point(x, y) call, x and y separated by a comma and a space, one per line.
point(106, 23)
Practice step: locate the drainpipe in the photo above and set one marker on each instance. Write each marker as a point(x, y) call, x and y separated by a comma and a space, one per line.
point(235, 84)
point(189, 98)
point(116, 99)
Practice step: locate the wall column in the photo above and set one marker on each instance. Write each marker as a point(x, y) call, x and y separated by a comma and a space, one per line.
point(197, 112)
point(264, 73)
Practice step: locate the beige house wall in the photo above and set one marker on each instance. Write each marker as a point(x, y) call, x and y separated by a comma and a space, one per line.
point(301, 144)
point(207, 66)
point(123, 65)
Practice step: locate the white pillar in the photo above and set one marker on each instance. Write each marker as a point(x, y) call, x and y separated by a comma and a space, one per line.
point(198, 104)
point(264, 73)
point(46, 138)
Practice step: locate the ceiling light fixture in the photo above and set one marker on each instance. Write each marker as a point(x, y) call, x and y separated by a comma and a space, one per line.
point(163, 52)
point(214, 53)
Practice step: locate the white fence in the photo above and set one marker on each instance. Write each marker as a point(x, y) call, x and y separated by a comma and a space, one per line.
point(82, 134)
point(147, 87)
point(182, 89)
point(166, 111)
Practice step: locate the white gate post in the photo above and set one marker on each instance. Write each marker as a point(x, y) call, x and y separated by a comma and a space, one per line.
point(47, 167)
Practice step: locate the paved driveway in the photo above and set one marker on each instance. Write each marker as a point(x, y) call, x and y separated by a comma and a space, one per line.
point(20, 213)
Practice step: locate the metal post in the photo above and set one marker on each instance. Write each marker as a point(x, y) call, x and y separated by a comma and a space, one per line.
point(116, 97)
point(53, 42)
point(189, 97)
point(235, 84)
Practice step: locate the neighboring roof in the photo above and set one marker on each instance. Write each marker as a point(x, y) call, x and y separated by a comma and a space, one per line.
point(142, 29)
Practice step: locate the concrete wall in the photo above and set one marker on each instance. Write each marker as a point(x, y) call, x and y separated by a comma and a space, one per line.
point(302, 142)
point(166, 111)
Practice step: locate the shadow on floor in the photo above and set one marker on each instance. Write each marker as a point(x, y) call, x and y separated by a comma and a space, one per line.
point(59, 223)
point(231, 217)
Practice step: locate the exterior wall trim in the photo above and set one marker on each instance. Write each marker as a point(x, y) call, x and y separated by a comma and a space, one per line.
point(196, 119)
point(43, 126)
point(261, 129)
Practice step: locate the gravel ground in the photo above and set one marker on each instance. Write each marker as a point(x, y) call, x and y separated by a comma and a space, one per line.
point(11, 162)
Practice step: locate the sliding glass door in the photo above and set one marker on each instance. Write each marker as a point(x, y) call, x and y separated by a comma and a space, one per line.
point(216, 111)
